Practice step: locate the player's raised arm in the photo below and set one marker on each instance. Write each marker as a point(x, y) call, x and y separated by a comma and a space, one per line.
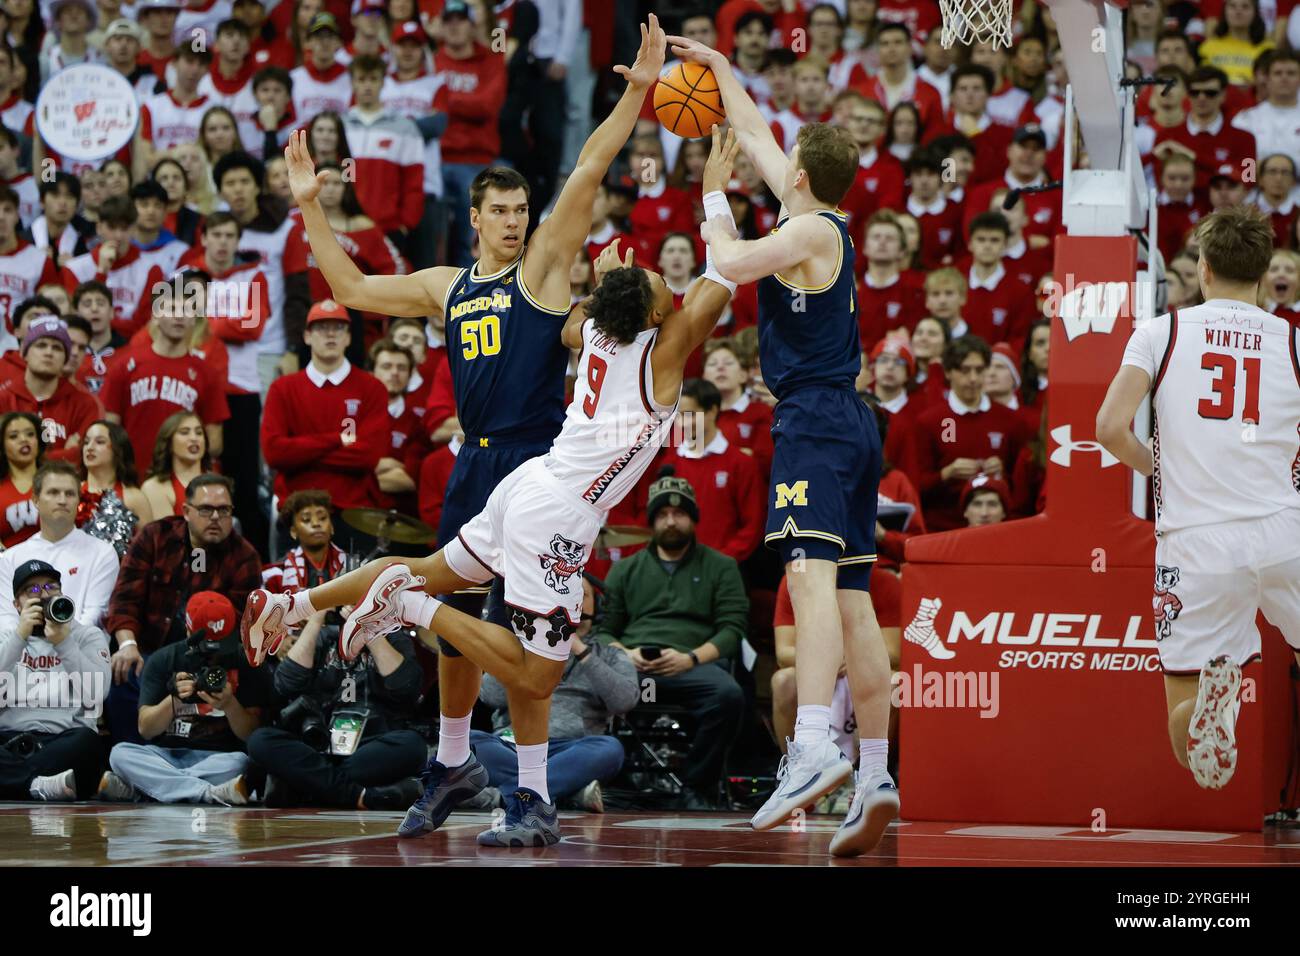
point(706, 300)
point(558, 239)
point(741, 261)
point(418, 294)
point(756, 137)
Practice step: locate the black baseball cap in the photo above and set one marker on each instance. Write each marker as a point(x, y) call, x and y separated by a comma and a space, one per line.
point(1030, 131)
point(30, 569)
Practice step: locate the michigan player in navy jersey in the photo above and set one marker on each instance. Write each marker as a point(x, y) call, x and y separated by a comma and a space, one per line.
point(538, 526)
point(504, 318)
point(826, 467)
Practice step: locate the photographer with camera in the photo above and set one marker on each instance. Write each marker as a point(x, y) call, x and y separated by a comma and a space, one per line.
point(55, 675)
point(87, 566)
point(342, 740)
point(167, 561)
point(199, 702)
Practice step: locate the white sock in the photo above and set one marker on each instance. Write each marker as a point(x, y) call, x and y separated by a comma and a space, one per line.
point(872, 754)
point(300, 608)
point(812, 724)
point(453, 740)
point(418, 608)
point(532, 769)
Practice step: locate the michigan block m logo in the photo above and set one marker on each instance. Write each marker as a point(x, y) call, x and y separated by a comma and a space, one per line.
point(795, 494)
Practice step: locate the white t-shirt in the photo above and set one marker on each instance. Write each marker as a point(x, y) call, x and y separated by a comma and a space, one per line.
point(1226, 383)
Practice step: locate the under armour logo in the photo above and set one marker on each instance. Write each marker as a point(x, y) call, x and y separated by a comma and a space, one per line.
point(1061, 456)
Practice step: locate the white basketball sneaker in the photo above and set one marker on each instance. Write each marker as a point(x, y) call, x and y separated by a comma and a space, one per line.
point(874, 807)
point(379, 612)
point(262, 626)
point(805, 775)
point(1212, 733)
point(921, 630)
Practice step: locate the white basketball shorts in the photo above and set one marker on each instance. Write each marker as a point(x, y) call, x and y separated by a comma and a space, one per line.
point(1211, 580)
point(536, 534)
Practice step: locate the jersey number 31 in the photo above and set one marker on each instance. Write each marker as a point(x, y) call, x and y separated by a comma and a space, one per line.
point(1224, 387)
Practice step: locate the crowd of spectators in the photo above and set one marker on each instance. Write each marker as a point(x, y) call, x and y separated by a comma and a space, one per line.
point(182, 404)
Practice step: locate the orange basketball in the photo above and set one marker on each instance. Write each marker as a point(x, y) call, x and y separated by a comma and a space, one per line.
point(687, 100)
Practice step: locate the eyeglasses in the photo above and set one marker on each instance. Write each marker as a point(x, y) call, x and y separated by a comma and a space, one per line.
point(209, 512)
point(39, 589)
point(1203, 93)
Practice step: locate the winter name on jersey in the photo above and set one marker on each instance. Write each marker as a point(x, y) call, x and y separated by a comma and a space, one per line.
point(165, 388)
point(1232, 339)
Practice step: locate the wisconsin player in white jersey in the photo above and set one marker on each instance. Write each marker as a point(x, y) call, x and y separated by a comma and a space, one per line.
point(540, 522)
point(1224, 380)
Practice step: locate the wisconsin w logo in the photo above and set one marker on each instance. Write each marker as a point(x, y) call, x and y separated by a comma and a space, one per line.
point(795, 494)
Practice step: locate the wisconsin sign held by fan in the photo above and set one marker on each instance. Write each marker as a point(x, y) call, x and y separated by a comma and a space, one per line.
point(87, 112)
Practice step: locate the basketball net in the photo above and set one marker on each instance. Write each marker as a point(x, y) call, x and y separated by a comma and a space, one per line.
point(976, 21)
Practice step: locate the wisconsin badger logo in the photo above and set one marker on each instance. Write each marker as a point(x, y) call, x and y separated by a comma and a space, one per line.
point(1165, 603)
point(564, 561)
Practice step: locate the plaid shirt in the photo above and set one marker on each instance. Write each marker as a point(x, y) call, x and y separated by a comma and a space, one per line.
point(156, 579)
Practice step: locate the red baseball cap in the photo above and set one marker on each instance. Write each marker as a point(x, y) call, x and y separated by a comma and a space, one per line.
point(895, 347)
point(409, 30)
point(327, 310)
point(983, 482)
point(210, 613)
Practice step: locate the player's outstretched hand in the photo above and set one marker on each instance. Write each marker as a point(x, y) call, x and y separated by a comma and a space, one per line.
point(693, 51)
point(609, 260)
point(722, 156)
point(303, 178)
point(649, 59)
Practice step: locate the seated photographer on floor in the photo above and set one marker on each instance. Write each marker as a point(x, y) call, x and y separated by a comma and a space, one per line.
point(53, 679)
point(599, 680)
point(199, 702)
point(342, 737)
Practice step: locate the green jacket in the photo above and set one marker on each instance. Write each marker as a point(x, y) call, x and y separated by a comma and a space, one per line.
point(703, 601)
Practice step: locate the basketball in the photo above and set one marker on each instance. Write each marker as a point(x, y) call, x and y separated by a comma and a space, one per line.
point(687, 100)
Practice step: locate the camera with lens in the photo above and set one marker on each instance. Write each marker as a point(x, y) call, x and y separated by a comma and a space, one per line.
point(58, 608)
point(305, 718)
point(205, 661)
point(23, 746)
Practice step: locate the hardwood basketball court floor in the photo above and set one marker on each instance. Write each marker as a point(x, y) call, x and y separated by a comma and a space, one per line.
point(90, 835)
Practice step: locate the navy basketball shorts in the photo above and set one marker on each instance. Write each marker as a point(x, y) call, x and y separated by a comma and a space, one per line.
point(825, 479)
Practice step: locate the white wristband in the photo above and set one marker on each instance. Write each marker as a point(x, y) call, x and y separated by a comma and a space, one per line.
point(715, 204)
point(129, 642)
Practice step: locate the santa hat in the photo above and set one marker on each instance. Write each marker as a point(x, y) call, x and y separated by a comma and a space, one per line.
point(1004, 353)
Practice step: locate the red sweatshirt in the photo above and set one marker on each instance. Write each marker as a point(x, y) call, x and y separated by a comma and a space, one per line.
point(303, 426)
point(748, 425)
point(899, 305)
point(730, 494)
point(69, 411)
point(1000, 308)
point(993, 430)
point(435, 472)
point(476, 88)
